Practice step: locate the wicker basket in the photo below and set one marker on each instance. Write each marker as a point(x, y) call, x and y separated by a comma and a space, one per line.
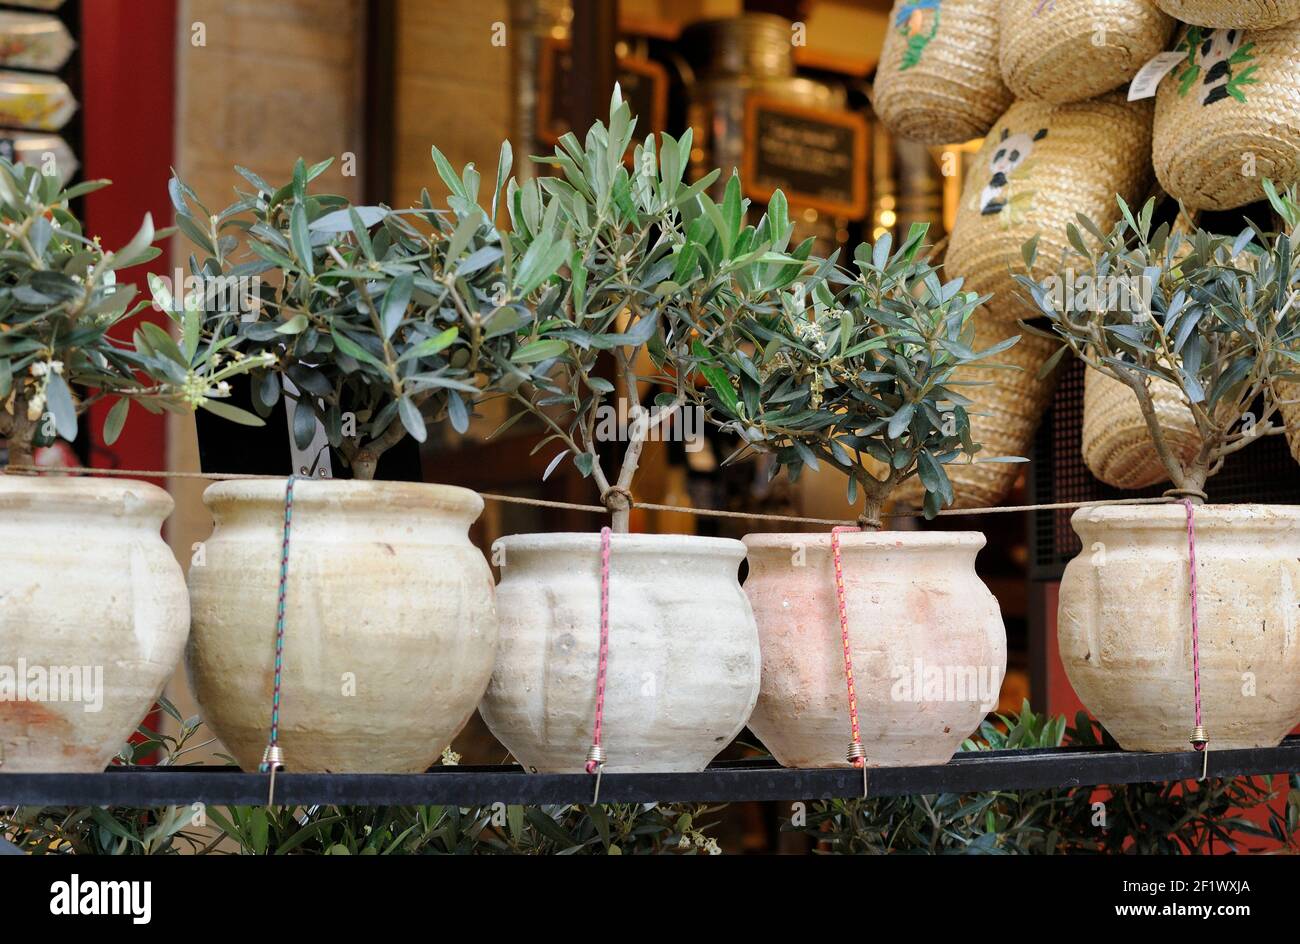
point(1241, 14)
point(1230, 117)
point(938, 80)
point(1041, 165)
point(1078, 49)
point(1291, 415)
point(1004, 417)
point(1117, 446)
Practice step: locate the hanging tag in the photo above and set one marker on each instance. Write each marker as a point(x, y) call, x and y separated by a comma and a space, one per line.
point(1148, 79)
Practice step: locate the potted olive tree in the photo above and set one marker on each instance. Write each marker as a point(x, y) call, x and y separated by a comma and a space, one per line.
point(95, 612)
point(381, 320)
point(859, 370)
point(1217, 318)
point(641, 253)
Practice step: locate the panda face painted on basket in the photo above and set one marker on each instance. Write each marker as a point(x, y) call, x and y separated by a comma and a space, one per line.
point(1012, 151)
point(1216, 50)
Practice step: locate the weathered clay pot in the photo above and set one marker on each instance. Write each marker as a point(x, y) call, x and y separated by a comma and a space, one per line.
point(928, 644)
point(683, 651)
point(1125, 623)
point(390, 625)
point(93, 603)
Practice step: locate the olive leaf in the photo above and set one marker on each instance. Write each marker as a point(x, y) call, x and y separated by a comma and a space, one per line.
point(1215, 316)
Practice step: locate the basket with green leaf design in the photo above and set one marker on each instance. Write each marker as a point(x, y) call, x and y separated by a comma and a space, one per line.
point(938, 80)
point(1228, 116)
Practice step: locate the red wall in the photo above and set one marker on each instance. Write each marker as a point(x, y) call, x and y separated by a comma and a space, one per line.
point(128, 57)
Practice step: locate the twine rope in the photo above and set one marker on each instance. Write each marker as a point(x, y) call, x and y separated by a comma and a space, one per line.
point(601, 509)
point(273, 757)
point(856, 756)
point(1199, 740)
point(596, 756)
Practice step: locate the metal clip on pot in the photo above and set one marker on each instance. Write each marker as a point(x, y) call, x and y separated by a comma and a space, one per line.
point(857, 756)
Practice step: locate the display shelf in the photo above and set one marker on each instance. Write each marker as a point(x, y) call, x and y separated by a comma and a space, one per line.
point(725, 782)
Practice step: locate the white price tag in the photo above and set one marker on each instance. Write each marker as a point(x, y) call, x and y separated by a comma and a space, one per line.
point(1147, 80)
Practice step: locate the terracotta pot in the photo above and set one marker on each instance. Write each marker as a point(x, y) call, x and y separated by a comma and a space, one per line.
point(390, 625)
point(1125, 623)
point(93, 618)
point(928, 645)
point(683, 651)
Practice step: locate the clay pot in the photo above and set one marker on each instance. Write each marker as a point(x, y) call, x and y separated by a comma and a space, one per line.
point(928, 644)
point(683, 651)
point(93, 604)
point(390, 624)
point(1125, 623)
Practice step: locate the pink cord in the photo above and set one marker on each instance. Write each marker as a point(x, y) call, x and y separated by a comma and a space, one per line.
point(604, 647)
point(1196, 629)
point(844, 638)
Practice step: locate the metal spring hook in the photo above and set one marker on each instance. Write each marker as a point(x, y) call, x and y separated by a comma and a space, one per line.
point(272, 760)
point(596, 762)
point(1200, 741)
point(857, 756)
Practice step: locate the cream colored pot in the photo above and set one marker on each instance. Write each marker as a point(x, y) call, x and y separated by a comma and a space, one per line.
point(93, 618)
point(1125, 623)
point(390, 625)
point(683, 651)
point(928, 644)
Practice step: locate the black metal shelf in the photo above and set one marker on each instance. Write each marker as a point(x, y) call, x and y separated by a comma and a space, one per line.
point(725, 782)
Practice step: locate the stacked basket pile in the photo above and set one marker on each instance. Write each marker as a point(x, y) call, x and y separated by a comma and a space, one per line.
point(1045, 81)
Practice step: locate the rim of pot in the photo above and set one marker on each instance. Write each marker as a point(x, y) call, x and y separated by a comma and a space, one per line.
point(117, 495)
point(766, 540)
point(589, 541)
point(417, 496)
point(1174, 515)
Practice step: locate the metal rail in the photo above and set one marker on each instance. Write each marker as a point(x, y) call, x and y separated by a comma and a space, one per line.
point(725, 782)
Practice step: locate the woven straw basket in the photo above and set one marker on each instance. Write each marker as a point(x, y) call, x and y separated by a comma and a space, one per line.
point(1216, 140)
point(1041, 165)
point(1291, 415)
point(1077, 49)
point(1117, 446)
point(1249, 14)
point(1006, 412)
point(938, 80)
